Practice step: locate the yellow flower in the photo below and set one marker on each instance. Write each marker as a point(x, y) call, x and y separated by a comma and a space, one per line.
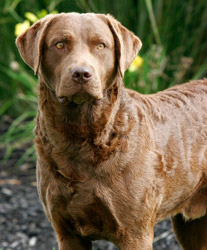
point(41, 14)
point(54, 12)
point(137, 63)
point(21, 27)
point(31, 17)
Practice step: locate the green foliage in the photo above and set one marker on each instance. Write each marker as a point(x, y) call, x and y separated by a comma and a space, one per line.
point(174, 35)
point(150, 77)
point(19, 135)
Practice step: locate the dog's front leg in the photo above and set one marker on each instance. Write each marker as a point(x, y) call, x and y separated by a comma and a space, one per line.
point(69, 241)
point(73, 243)
point(144, 242)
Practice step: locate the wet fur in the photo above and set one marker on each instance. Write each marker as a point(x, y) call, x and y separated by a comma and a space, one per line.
point(112, 168)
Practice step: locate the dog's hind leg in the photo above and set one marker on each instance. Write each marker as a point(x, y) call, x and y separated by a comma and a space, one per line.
point(192, 234)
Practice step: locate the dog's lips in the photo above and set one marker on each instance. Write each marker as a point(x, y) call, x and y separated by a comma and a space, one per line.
point(78, 98)
point(61, 99)
point(82, 97)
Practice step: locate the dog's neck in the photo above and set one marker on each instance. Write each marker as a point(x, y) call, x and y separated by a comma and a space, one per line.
point(86, 121)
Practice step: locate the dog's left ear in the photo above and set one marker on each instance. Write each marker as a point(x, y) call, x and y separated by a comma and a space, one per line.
point(127, 44)
point(30, 43)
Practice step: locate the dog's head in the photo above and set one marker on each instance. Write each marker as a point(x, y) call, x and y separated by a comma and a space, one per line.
point(78, 55)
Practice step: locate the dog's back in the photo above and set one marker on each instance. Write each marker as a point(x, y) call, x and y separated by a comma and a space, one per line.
point(177, 118)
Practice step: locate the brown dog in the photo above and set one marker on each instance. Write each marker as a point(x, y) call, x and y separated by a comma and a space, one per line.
point(112, 162)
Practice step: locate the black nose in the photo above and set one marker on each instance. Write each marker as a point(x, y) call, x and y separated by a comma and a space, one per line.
point(81, 74)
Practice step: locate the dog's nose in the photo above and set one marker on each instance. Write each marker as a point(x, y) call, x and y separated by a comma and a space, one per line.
point(81, 74)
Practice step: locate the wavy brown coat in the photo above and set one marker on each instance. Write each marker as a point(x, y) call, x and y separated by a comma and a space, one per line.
point(112, 162)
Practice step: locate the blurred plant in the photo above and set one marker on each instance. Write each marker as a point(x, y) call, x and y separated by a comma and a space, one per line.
point(136, 64)
point(21, 27)
point(153, 21)
point(17, 85)
point(20, 136)
point(183, 66)
point(146, 73)
point(23, 96)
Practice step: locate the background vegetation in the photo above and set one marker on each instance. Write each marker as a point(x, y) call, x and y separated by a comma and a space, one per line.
point(174, 36)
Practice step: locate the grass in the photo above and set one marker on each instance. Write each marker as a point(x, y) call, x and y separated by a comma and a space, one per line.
point(20, 135)
point(173, 33)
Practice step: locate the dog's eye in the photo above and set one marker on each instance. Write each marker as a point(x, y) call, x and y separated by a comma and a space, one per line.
point(59, 45)
point(101, 46)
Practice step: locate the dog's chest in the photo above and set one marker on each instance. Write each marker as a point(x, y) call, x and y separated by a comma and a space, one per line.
point(90, 194)
point(84, 206)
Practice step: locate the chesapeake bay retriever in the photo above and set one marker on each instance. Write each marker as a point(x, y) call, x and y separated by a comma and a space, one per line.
point(112, 162)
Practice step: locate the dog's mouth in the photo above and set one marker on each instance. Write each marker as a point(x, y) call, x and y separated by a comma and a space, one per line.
point(78, 98)
point(82, 97)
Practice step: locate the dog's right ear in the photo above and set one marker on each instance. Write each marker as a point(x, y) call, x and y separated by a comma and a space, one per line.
point(30, 43)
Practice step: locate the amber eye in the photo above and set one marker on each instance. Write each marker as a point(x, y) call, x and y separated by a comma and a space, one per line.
point(59, 45)
point(101, 46)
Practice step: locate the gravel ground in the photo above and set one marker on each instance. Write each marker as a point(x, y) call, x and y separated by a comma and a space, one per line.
point(23, 225)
